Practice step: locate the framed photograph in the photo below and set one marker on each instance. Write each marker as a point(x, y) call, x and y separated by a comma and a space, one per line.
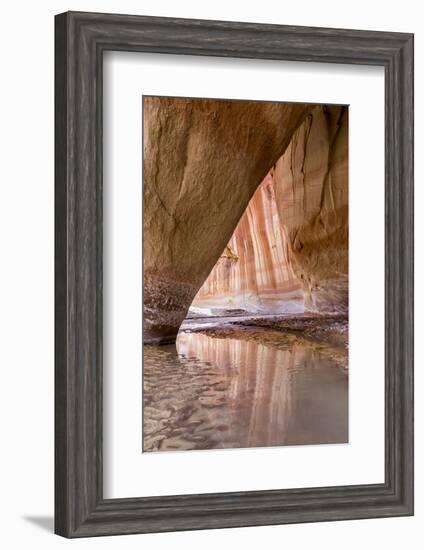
point(234, 274)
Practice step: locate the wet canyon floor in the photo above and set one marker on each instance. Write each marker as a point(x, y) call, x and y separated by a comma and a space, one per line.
point(246, 381)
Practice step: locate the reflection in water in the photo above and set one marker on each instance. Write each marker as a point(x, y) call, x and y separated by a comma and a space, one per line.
point(231, 392)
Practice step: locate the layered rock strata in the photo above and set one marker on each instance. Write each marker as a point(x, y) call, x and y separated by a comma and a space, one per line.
point(290, 248)
point(311, 190)
point(254, 273)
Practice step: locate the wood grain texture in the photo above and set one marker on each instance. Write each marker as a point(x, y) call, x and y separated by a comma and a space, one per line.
point(81, 39)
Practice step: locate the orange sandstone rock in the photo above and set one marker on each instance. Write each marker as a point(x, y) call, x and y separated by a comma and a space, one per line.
point(203, 160)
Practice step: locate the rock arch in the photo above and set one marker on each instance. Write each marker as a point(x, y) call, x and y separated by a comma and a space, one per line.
point(290, 247)
point(203, 160)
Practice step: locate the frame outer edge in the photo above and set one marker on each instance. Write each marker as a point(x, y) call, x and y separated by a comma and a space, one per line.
point(79, 508)
point(61, 269)
point(406, 115)
point(399, 276)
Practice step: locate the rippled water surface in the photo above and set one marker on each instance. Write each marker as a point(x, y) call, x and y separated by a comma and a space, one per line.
point(210, 392)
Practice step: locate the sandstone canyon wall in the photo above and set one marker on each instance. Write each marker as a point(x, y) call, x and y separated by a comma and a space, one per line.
point(203, 160)
point(311, 190)
point(289, 252)
point(254, 273)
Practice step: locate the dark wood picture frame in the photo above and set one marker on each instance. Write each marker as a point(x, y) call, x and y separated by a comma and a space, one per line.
point(80, 40)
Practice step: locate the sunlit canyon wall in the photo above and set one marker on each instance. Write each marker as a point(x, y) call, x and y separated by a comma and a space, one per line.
point(203, 160)
point(289, 251)
point(311, 190)
point(254, 273)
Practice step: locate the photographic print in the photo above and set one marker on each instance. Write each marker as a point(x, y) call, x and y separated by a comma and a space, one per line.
point(214, 272)
point(245, 274)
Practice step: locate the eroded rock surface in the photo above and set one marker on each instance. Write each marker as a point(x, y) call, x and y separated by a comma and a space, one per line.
point(254, 273)
point(203, 160)
point(289, 252)
point(311, 189)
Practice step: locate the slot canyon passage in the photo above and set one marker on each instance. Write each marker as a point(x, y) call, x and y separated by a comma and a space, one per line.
point(245, 274)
